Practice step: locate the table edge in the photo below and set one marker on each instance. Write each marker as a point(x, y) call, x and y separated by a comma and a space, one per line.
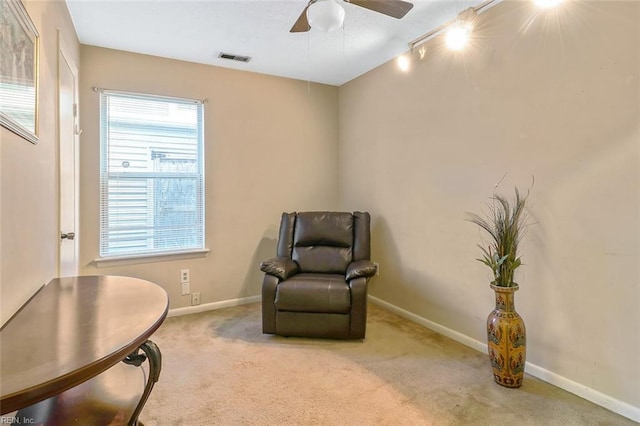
point(17, 400)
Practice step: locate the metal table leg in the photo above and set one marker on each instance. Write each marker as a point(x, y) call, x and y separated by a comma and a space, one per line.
point(153, 354)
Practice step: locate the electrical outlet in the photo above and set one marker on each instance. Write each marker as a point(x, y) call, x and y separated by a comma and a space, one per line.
point(185, 276)
point(195, 299)
point(377, 268)
point(185, 288)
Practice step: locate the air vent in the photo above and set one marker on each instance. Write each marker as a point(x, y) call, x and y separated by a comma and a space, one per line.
point(234, 57)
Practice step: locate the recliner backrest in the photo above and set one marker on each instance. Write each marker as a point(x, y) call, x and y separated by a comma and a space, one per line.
point(324, 242)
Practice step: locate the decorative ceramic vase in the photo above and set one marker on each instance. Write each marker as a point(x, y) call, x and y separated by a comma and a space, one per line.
point(506, 338)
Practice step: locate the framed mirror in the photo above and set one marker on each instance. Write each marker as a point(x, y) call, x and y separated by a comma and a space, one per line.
point(19, 45)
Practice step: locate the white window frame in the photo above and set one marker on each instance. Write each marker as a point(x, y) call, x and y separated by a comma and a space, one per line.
point(193, 179)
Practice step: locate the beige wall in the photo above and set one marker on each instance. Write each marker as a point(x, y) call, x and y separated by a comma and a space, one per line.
point(29, 186)
point(270, 146)
point(417, 150)
point(554, 98)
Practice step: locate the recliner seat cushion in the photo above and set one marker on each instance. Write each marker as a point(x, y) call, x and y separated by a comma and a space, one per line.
point(325, 293)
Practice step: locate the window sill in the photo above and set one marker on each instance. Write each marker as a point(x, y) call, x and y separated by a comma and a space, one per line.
point(104, 262)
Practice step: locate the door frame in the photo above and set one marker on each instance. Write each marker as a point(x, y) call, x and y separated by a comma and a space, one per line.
point(63, 54)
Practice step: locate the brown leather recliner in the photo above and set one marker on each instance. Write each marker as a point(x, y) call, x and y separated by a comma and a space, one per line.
point(317, 284)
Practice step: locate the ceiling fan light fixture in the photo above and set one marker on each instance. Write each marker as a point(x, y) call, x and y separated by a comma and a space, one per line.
point(325, 15)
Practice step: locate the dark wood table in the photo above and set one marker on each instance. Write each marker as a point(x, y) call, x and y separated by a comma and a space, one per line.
point(74, 329)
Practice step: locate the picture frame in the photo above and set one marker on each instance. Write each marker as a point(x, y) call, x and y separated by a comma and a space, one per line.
point(19, 71)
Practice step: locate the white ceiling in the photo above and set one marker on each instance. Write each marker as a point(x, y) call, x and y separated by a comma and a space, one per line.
point(198, 31)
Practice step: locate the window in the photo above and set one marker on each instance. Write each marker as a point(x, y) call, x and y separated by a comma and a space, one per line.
point(151, 175)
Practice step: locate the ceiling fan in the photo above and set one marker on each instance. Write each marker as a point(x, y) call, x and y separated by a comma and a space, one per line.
point(394, 8)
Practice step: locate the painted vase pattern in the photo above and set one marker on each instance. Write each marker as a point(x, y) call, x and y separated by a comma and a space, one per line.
point(506, 339)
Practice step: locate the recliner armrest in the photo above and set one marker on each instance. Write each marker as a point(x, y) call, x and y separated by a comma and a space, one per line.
point(281, 267)
point(360, 268)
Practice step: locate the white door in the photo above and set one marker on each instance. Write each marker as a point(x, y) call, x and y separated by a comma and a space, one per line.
point(68, 162)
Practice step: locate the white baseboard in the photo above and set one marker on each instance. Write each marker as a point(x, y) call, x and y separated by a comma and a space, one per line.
point(620, 407)
point(458, 337)
point(213, 306)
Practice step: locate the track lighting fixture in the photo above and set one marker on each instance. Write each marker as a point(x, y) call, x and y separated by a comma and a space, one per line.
point(547, 4)
point(459, 33)
point(458, 30)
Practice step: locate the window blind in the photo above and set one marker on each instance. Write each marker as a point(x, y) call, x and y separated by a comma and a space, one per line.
point(151, 174)
point(17, 102)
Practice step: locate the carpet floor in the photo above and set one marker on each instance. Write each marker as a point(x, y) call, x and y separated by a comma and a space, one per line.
point(219, 369)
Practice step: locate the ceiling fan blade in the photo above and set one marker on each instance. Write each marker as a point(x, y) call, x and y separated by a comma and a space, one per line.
point(302, 24)
point(394, 8)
